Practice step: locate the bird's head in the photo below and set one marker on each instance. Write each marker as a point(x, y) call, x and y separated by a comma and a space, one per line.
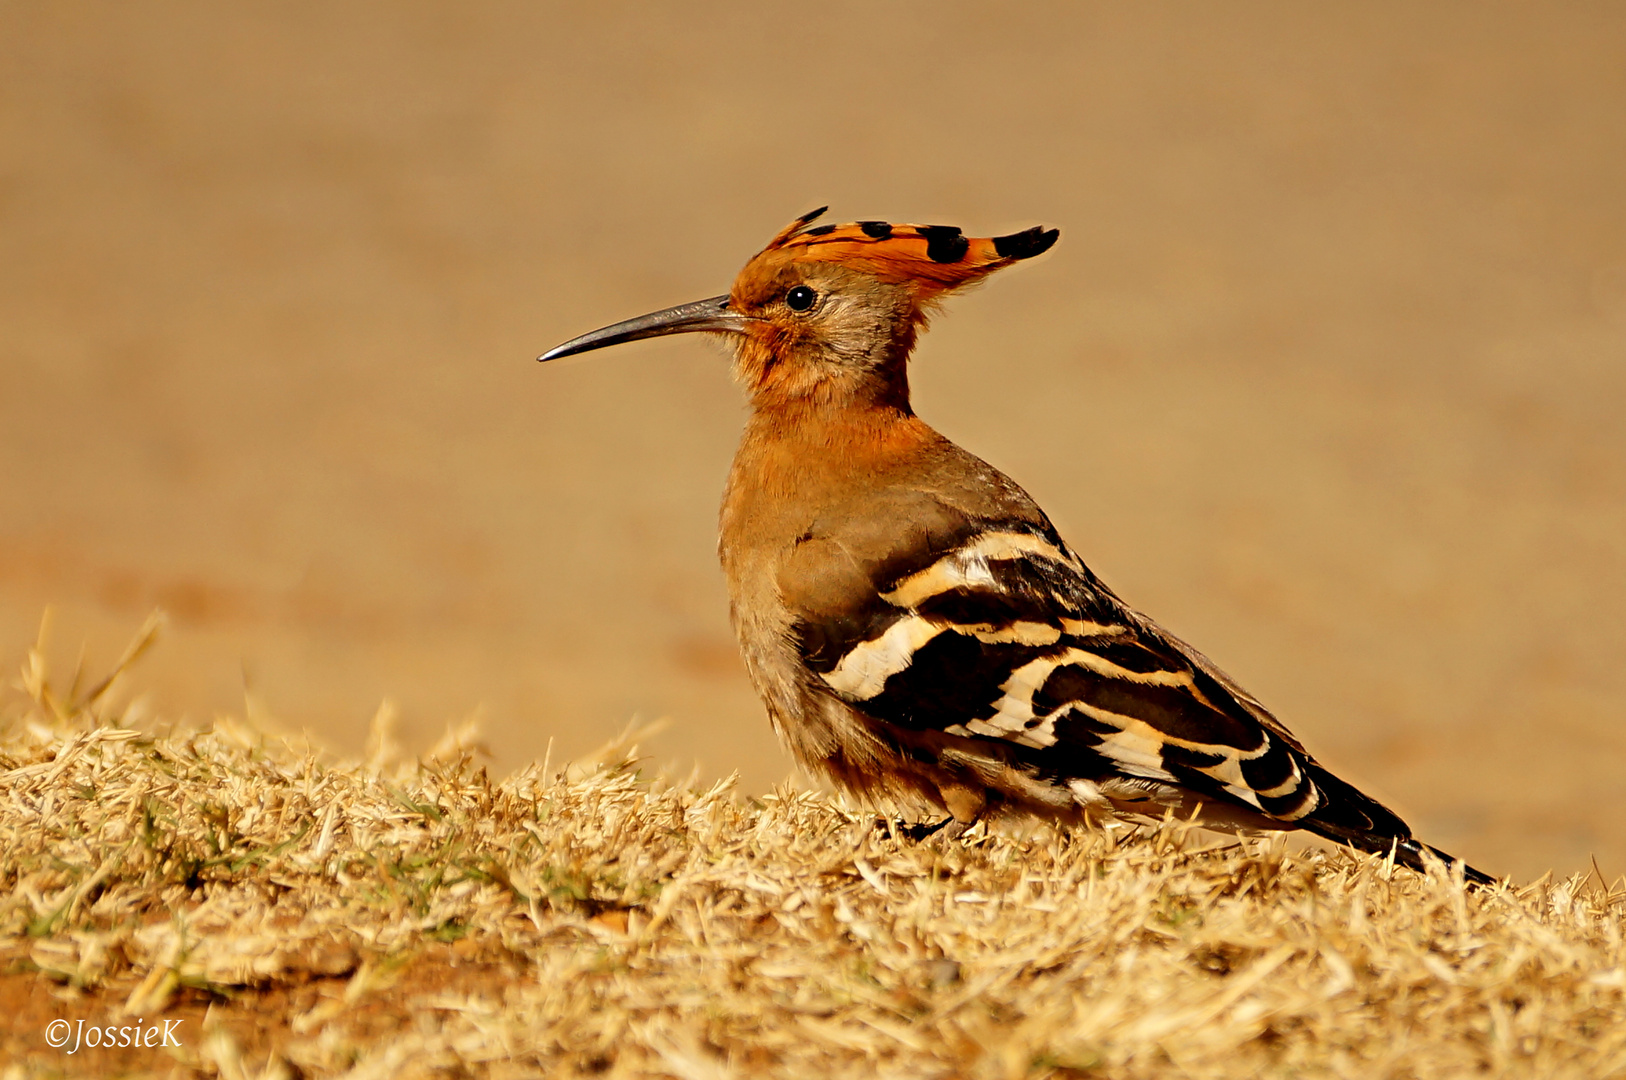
point(832, 309)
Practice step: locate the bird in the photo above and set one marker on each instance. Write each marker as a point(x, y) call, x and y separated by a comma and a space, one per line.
point(915, 625)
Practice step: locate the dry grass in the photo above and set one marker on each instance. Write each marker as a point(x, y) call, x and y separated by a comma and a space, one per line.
point(308, 917)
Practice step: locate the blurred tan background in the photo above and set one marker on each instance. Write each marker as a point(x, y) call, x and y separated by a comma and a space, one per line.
point(1327, 373)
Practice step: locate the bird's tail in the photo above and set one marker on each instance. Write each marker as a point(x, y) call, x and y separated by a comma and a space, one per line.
point(1351, 817)
point(1410, 852)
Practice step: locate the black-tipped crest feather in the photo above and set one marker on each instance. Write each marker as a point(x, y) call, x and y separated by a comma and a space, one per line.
point(1027, 243)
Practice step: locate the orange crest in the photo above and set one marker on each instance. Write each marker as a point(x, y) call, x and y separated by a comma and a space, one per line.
point(932, 259)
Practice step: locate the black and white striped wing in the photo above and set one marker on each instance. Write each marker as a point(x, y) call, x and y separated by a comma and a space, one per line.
point(1008, 636)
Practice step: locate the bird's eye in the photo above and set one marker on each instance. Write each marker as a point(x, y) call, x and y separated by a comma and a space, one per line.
point(800, 298)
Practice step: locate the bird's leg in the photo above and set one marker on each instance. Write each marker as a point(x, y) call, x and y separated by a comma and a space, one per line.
point(965, 806)
point(920, 830)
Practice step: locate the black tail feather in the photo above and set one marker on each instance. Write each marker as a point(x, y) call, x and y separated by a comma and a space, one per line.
point(1407, 851)
point(1352, 817)
point(1410, 852)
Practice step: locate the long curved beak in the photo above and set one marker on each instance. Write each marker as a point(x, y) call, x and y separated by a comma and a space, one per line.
point(710, 314)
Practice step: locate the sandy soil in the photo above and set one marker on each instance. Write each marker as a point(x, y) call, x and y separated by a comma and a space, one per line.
point(1326, 373)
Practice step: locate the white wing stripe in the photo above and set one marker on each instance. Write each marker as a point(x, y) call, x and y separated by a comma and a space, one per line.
point(863, 672)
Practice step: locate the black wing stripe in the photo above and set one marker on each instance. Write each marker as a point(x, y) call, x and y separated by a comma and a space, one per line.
point(1271, 770)
point(1135, 657)
point(992, 608)
point(952, 678)
point(1177, 757)
point(1170, 709)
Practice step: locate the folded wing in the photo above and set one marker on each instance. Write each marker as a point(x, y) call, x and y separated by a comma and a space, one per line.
point(1005, 635)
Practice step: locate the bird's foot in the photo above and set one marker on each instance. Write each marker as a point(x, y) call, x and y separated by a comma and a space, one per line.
point(916, 831)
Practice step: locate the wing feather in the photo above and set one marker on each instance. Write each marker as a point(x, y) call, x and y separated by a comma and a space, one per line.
point(1008, 636)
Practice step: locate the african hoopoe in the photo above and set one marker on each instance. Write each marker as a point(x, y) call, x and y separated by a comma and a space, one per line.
point(913, 622)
